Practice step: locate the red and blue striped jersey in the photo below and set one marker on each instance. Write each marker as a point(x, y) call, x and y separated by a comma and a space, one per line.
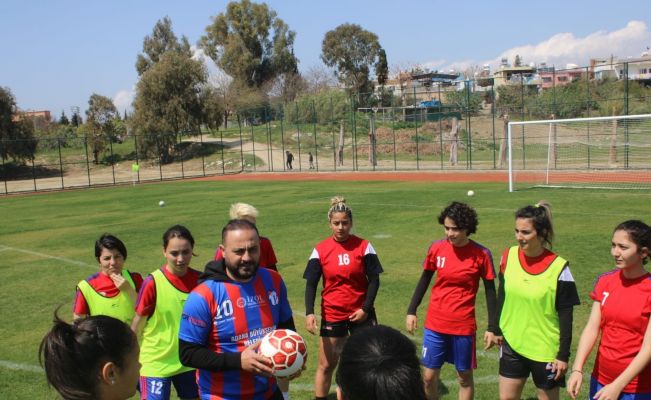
point(227, 317)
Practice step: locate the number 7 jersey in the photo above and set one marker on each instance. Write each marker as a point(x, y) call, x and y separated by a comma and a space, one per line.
point(345, 267)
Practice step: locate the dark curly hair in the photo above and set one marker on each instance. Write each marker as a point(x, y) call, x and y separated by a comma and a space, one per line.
point(462, 214)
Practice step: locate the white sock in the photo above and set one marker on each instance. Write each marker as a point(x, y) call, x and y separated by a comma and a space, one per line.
point(286, 395)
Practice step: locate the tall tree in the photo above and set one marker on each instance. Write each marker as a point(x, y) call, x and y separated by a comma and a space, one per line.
point(161, 41)
point(382, 68)
point(76, 120)
point(168, 103)
point(250, 43)
point(16, 132)
point(100, 118)
point(351, 51)
point(63, 120)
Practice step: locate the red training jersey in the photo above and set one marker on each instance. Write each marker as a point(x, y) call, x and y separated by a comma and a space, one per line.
point(344, 266)
point(103, 285)
point(146, 302)
point(625, 310)
point(267, 254)
point(458, 270)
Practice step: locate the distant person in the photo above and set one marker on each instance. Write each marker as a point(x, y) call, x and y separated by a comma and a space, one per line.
point(450, 325)
point(111, 291)
point(311, 159)
point(92, 358)
point(536, 298)
point(290, 159)
point(351, 279)
point(621, 317)
point(158, 311)
point(226, 316)
point(379, 363)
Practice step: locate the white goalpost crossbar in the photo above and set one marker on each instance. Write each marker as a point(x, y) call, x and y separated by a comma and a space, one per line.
point(605, 152)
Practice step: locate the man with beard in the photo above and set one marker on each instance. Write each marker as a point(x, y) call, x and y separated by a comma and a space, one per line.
point(227, 314)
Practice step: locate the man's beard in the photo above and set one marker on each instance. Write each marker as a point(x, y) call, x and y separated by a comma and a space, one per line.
point(243, 271)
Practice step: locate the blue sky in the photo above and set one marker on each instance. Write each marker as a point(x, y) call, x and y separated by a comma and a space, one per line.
point(56, 53)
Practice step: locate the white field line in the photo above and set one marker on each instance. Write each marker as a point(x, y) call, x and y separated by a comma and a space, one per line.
point(20, 367)
point(43, 255)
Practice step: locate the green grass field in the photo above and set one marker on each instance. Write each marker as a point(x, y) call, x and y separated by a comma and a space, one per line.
point(46, 244)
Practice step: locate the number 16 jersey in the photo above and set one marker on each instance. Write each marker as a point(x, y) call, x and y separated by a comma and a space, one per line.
point(345, 267)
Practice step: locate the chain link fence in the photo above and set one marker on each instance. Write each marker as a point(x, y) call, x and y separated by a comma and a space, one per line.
point(457, 125)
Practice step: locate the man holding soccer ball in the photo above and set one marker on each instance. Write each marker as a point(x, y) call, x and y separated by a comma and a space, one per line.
point(225, 317)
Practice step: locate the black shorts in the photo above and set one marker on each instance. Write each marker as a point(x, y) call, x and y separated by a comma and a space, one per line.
point(345, 328)
point(516, 366)
point(277, 395)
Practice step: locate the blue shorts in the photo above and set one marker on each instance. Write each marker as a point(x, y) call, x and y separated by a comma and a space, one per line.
point(459, 350)
point(596, 386)
point(185, 384)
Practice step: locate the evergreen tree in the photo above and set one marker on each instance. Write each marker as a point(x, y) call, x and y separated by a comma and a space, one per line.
point(63, 120)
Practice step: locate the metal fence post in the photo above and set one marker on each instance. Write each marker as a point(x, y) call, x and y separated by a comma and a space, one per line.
point(60, 162)
point(87, 165)
point(316, 146)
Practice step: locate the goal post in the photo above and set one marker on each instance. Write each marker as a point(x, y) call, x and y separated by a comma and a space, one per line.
point(600, 152)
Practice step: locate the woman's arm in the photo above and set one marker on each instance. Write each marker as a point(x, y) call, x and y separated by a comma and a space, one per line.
point(491, 306)
point(312, 276)
point(411, 322)
point(138, 323)
point(586, 344)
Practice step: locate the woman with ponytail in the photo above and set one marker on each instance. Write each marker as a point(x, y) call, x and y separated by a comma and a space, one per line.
point(351, 279)
point(92, 358)
point(535, 302)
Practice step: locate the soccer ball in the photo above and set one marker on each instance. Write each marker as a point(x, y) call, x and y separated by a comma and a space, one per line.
point(286, 349)
point(161, 203)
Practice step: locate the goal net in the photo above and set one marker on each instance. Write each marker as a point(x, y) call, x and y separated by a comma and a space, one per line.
point(601, 152)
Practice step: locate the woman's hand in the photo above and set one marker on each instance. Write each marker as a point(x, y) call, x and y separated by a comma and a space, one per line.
point(574, 383)
point(608, 392)
point(310, 323)
point(119, 281)
point(411, 323)
point(560, 367)
point(489, 340)
point(358, 316)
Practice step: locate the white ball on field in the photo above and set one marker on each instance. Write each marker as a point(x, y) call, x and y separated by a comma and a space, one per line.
point(286, 349)
point(471, 193)
point(161, 203)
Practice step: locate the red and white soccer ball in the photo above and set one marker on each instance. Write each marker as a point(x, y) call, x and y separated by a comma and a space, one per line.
point(286, 349)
